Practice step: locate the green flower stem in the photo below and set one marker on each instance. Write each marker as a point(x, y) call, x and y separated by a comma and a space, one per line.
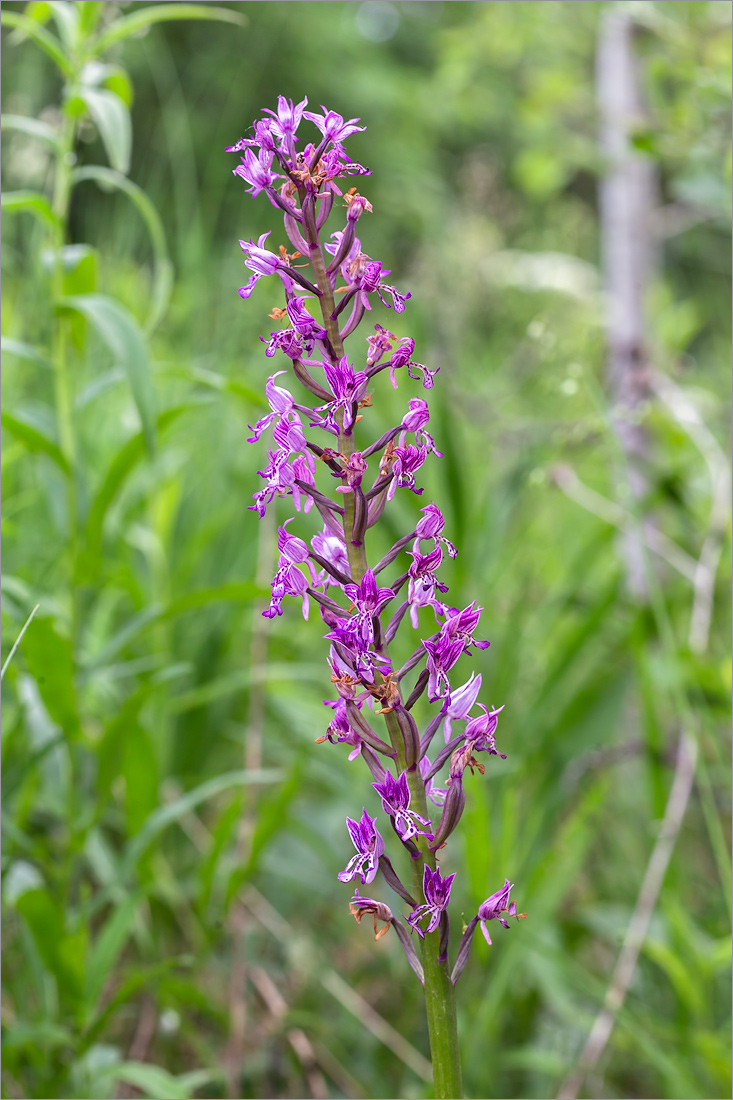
point(440, 1002)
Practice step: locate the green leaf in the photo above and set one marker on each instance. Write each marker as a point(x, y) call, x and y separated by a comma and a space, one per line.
point(158, 1083)
point(107, 947)
point(145, 17)
point(164, 816)
point(66, 17)
point(140, 769)
point(60, 953)
point(26, 351)
point(34, 439)
point(42, 38)
point(112, 119)
point(89, 14)
point(163, 271)
point(33, 202)
point(31, 127)
point(123, 337)
point(79, 264)
point(122, 464)
point(50, 661)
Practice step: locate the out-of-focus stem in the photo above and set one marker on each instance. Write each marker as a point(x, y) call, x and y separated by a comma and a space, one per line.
point(63, 389)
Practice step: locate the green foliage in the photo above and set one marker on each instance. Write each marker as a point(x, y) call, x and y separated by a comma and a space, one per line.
point(171, 832)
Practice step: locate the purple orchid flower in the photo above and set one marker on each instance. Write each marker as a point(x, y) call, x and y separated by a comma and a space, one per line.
point(368, 600)
point(347, 386)
point(302, 322)
point(287, 119)
point(437, 894)
point(431, 526)
point(415, 421)
point(407, 461)
point(378, 345)
point(369, 847)
point(287, 341)
point(442, 653)
point(395, 795)
point(332, 125)
point(262, 262)
point(480, 732)
point(256, 171)
point(332, 550)
point(494, 906)
point(281, 404)
point(459, 703)
point(462, 625)
point(340, 731)
point(402, 357)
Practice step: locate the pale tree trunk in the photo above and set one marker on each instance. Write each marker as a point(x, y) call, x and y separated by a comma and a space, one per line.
point(626, 201)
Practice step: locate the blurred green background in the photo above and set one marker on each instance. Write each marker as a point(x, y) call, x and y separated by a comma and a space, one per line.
point(173, 925)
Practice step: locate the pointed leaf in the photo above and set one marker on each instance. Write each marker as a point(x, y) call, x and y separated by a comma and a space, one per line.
point(33, 202)
point(107, 947)
point(42, 38)
point(112, 119)
point(163, 271)
point(34, 439)
point(122, 464)
point(31, 127)
point(144, 17)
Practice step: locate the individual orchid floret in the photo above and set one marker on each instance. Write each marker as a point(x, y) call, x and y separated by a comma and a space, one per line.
point(480, 732)
point(356, 205)
point(287, 119)
point(402, 357)
point(281, 404)
point(348, 388)
point(302, 322)
point(340, 731)
point(332, 125)
point(289, 581)
point(494, 906)
point(437, 894)
point(256, 171)
point(287, 341)
point(330, 553)
point(415, 421)
point(462, 625)
point(407, 461)
point(262, 262)
point(491, 909)
point(395, 795)
point(360, 907)
point(459, 703)
point(378, 345)
point(443, 652)
point(368, 601)
point(369, 847)
point(431, 526)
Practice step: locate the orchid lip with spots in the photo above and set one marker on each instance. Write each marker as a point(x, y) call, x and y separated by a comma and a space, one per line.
point(329, 284)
